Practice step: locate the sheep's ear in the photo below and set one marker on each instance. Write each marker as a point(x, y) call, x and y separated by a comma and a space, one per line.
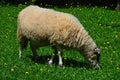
point(97, 51)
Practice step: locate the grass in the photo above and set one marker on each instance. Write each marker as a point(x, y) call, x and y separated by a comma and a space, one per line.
point(104, 27)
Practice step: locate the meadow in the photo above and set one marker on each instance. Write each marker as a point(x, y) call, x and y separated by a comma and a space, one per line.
point(103, 25)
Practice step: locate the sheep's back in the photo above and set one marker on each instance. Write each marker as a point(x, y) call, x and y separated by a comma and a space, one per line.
point(43, 23)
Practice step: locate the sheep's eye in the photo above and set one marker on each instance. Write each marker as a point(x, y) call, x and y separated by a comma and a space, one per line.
point(93, 57)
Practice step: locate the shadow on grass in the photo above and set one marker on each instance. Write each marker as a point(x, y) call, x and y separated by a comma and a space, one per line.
point(111, 26)
point(115, 25)
point(66, 62)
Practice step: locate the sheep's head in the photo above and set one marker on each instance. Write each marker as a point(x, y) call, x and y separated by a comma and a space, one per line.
point(94, 57)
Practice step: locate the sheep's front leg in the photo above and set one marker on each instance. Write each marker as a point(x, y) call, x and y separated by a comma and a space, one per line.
point(59, 51)
point(60, 58)
point(60, 55)
point(53, 55)
point(51, 60)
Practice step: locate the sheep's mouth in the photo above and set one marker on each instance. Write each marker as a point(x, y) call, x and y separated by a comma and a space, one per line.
point(96, 66)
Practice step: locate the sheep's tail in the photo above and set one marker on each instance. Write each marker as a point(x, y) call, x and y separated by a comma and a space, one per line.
point(22, 40)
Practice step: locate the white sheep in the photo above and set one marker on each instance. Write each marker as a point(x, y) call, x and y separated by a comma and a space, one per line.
point(44, 27)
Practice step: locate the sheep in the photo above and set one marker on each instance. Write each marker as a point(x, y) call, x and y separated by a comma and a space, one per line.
point(42, 27)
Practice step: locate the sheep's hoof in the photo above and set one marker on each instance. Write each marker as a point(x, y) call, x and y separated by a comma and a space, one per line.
point(96, 67)
point(50, 62)
point(20, 59)
point(61, 65)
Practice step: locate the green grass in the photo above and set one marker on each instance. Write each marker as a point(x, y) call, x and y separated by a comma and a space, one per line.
point(104, 27)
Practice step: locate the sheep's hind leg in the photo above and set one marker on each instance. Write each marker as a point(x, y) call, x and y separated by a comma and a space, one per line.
point(33, 48)
point(22, 45)
point(20, 53)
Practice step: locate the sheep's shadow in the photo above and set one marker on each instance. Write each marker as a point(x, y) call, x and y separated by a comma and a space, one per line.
point(67, 62)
